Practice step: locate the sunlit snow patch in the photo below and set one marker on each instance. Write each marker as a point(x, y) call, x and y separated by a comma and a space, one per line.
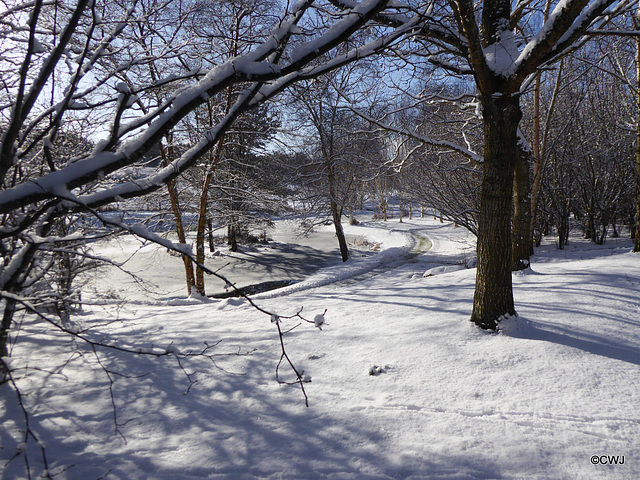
point(442, 269)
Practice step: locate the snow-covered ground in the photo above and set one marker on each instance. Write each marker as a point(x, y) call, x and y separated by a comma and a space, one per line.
point(555, 392)
point(292, 253)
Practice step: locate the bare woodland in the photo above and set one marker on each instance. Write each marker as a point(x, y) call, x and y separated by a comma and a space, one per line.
point(515, 119)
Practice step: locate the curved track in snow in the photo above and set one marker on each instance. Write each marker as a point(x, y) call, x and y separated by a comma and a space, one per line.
point(358, 270)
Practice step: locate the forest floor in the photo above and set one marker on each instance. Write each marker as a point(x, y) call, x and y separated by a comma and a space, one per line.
point(401, 384)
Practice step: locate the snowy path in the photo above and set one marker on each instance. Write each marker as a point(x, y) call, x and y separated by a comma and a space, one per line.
point(419, 245)
point(560, 385)
point(398, 246)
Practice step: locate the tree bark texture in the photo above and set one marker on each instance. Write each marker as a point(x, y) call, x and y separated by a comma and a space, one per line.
point(521, 239)
point(493, 296)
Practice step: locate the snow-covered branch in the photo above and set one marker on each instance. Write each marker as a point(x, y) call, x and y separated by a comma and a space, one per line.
point(252, 66)
point(423, 139)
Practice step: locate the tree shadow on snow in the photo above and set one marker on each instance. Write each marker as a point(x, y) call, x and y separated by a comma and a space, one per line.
point(286, 262)
point(593, 318)
point(226, 426)
point(598, 343)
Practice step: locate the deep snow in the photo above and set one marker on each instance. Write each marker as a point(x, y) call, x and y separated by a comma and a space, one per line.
point(557, 386)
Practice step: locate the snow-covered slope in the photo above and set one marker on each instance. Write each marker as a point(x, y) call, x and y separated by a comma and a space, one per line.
point(555, 392)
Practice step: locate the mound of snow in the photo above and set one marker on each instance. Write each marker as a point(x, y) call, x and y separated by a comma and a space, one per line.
point(442, 269)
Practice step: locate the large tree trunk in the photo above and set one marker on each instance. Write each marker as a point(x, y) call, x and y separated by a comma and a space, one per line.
point(521, 239)
point(494, 293)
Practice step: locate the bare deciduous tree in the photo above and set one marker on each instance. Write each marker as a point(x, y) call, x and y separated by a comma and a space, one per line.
point(502, 46)
point(36, 191)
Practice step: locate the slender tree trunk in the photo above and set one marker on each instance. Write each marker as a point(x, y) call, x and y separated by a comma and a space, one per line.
point(336, 213)
point(537, 157)
point(214, 159)
point(232, 239)
point(385, 205)
point(7, 318)
point(521, 239)
point(166, 155)
point(177, 215)
point(201, 232)
point(493, 296)
point(540, 150)
point(636, 241)
point(212, 247)
point(175, 206)
point(202, 216)
point(344, 249)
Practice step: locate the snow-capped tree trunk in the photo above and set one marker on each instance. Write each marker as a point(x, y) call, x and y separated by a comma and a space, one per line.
point(500, 69)
point(493, 296)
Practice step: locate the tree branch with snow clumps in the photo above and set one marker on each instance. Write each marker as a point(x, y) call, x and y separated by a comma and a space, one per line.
point(80, 76)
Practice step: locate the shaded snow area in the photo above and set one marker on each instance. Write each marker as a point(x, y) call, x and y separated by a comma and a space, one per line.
point(402, 385)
